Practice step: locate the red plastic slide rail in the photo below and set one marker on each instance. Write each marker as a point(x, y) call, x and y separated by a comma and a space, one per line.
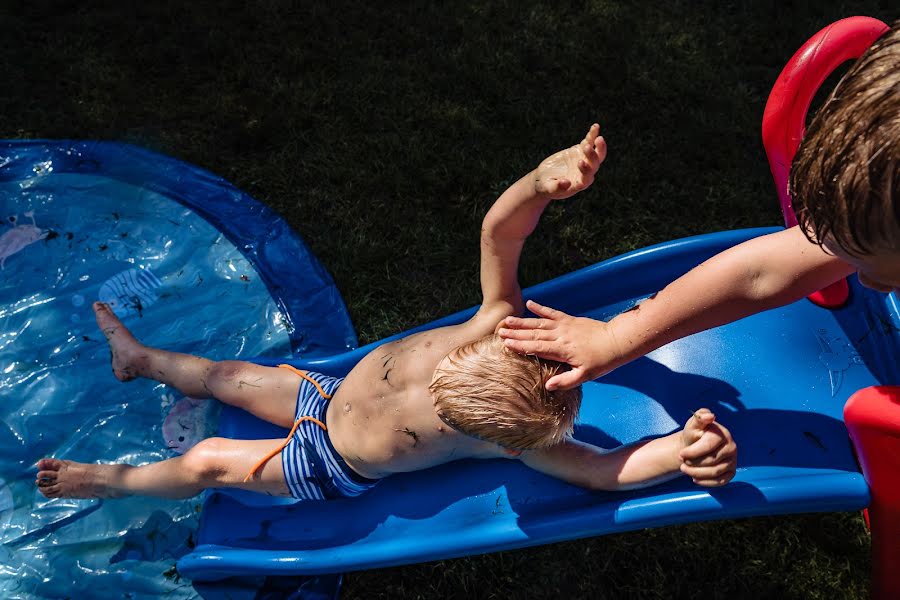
point(872, 416)
point(784, 120)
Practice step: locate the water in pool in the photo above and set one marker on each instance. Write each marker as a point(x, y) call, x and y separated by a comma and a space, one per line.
point(67, 240)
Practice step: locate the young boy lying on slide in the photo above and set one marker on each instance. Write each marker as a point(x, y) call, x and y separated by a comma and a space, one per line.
point(420, 401)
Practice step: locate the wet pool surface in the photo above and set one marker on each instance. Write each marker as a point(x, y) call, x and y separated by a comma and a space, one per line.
point(67, 240)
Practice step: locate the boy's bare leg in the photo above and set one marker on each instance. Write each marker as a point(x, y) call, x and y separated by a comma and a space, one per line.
point(214, 462)
point(269, 393)
point(131, 359)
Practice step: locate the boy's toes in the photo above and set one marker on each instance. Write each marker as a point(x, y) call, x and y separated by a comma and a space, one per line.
point(45, 478)
point(52, 491)
point(49, 464)
point(102, 310)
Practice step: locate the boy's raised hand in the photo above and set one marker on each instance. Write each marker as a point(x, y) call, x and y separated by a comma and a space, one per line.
point(709, 456)
point(571, 170)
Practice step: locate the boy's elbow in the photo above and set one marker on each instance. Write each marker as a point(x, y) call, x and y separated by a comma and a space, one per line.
point(489, 227)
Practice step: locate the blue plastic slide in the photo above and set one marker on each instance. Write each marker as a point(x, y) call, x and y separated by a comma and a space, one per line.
point(778, 380)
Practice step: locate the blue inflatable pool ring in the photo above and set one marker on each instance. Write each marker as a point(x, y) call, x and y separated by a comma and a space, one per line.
point(186, 260)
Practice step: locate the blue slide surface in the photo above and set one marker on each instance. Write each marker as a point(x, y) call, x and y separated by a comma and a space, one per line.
point(778, 380)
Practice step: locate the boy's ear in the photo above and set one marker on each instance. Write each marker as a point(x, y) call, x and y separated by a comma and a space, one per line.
point(512, 452)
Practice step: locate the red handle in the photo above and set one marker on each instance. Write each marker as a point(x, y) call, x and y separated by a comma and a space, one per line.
point(784, 120)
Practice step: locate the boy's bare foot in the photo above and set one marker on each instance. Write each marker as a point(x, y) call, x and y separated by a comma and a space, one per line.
point(126, 351)
point(67, 479)
point(569, 171)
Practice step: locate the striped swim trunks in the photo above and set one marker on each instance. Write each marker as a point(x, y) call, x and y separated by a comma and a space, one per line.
point(313, 470)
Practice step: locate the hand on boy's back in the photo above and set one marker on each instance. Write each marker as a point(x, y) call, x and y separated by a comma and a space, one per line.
point(709, 456)
point(572, 170)
point(584, 344)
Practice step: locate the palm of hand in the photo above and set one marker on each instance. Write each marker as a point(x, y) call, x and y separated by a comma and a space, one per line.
point(569, 171)
point(563, 166)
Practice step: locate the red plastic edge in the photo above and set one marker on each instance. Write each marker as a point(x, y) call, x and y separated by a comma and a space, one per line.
point(872, 416)
point(784, 119)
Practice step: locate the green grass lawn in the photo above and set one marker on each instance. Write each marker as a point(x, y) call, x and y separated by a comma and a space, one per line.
point(382, 132)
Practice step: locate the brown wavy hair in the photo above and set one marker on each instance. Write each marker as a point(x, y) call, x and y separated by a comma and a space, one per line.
point(494, 394)
point(845, 178)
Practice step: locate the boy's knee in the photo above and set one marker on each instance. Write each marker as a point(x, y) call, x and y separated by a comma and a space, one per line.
point(205, 461)
point(223, 372)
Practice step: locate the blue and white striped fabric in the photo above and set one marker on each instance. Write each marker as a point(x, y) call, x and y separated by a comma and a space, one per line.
point(313, 470)
point(130, 291)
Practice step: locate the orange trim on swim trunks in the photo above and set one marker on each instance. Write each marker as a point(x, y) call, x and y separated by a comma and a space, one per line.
point(287, 440)
point(297, 371)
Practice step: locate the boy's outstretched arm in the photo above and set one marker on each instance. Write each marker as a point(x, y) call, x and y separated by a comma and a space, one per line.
point(516, 212)
point(704, 450)
point(760, 274)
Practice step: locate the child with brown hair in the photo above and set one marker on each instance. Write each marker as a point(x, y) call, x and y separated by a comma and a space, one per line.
point(413, 403)
point(845, 187)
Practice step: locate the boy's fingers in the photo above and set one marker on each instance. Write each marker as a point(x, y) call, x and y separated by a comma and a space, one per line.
point(527, 335)
point(529, 323)
point(697, 425)
point(512, 322)
point(544, 311)
point(542, 349)
point(701, 419)
point(600, 148)
point(708, 443)
point(714, 472)
point(714, 482)
point(723, 453)
point(565, 381)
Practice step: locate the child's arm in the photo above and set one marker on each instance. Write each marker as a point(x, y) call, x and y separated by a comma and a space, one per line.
point(760, 274)
point(515, 214)
point(704, 450)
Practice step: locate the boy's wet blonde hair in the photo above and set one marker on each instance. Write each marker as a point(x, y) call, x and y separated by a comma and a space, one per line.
point(491, 393)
